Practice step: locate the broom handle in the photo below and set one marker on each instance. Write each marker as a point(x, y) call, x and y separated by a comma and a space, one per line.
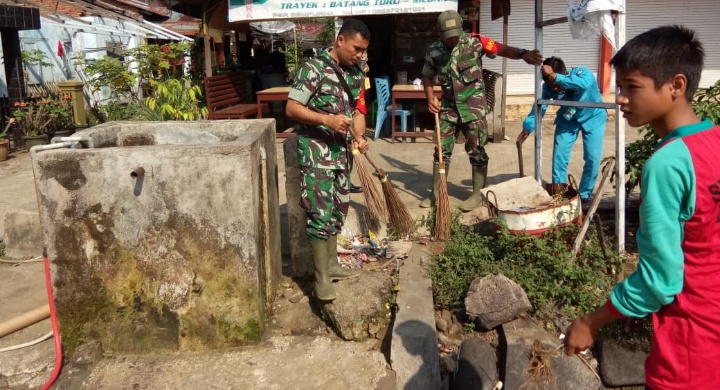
point(371, 162)
point(437, 139)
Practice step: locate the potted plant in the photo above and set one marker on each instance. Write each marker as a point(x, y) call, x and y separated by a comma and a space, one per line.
point(33, 118)
point(4, 142)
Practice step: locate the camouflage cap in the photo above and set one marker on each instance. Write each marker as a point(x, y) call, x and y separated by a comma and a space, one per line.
point(449, 24)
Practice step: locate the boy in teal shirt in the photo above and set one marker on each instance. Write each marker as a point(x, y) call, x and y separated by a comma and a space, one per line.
point(677, 279)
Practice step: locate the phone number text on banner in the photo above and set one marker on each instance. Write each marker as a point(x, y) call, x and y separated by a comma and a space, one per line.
point(240, 10)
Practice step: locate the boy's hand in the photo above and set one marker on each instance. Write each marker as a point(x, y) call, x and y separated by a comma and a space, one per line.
point(581, 333)
point(548, 72)
point(579, 336)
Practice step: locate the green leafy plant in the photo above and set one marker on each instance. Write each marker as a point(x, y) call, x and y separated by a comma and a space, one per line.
point(108, 71)
point(706, 105)
point(176, 99)
point(155, 63)
point(10, 122)
point(294, 57)
point(543, 266)
point(125, 111)
point(326, 36)
point(34, 57)
point(169, 94)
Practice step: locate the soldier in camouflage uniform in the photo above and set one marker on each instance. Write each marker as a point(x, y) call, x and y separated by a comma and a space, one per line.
point(331, 124)
point(456, 60)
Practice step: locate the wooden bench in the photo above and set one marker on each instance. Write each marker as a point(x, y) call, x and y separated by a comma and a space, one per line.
point(226, 96)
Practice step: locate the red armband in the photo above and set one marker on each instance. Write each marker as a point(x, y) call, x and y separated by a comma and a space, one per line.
point(361, 105)
point(489, 45)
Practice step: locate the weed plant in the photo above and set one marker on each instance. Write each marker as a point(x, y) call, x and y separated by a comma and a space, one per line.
point(555, 283)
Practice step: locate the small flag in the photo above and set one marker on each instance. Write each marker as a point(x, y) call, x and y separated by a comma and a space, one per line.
point(61, 49)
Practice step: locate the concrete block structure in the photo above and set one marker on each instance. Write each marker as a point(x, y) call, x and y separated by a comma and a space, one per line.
point(162, 236)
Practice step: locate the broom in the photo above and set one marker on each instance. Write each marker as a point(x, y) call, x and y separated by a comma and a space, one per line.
point(373, 199)
point(400, 218)
point(442, 203)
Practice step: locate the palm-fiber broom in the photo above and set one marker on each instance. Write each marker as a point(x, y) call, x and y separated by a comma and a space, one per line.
point(400, 218)
point(373, 199)
point(442, 203)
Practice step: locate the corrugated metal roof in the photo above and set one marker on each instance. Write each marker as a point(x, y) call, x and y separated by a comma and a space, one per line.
point(71, 13)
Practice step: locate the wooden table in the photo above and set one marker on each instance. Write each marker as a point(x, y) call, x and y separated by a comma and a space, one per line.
point(272, 94)
point(409, 92)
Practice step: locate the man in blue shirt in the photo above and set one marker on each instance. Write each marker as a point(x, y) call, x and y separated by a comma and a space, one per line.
point(576, 84)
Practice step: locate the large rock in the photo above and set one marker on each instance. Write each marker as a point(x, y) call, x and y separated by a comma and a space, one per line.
point(359, 310)
point(621, 366)
point(477, 366)
point(495, 300)
point(524, 342)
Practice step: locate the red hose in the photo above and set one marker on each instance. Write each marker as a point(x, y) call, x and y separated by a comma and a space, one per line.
point(55, 328)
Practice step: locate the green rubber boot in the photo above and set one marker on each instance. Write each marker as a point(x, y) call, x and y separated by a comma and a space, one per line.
point(323, 286)
point(430, 200)
point(335, 271)
point(479, 175)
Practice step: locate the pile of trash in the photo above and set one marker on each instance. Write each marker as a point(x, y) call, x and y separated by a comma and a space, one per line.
point(356, 250)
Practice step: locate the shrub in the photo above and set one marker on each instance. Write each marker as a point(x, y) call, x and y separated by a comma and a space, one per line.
point(543, 266)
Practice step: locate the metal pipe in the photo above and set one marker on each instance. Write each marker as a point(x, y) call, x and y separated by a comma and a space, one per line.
point(137, 172)
point(619, 148)
point(538, 92)
point(24, 320)
point(84, 139)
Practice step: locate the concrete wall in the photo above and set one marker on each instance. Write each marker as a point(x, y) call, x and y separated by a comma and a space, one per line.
point(176, 258)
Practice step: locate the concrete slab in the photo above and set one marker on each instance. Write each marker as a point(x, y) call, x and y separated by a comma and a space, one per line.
point(413, 352)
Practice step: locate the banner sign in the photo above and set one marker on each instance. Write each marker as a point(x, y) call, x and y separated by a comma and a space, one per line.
point(247, 10)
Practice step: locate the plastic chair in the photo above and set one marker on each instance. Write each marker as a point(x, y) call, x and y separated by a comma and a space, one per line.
point(382, 92)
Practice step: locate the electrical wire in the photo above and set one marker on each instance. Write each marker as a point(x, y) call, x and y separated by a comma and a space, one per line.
point(28, 344)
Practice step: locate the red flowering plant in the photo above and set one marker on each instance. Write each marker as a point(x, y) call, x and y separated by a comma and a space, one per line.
point(37, 116)
point(60, 113)
point(32, 117)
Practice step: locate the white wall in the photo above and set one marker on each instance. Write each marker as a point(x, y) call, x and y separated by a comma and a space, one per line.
point(641, 15)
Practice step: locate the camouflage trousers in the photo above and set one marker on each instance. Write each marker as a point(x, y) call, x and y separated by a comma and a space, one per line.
point(325, 195)
point(475, 133)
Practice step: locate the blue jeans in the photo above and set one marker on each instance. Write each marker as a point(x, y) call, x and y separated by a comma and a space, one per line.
point(565, 138)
